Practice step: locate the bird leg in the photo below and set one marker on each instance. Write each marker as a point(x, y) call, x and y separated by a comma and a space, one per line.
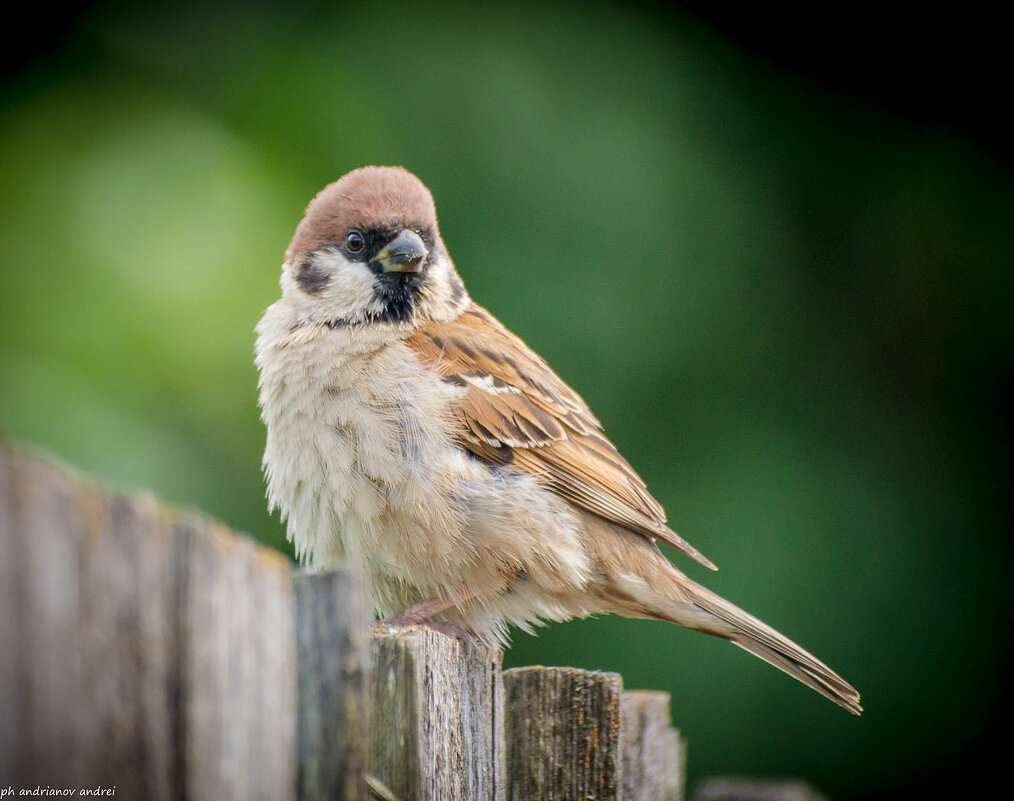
point(419, 615)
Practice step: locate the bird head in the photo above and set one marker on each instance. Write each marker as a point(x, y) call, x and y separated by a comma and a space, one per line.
point(368, 250)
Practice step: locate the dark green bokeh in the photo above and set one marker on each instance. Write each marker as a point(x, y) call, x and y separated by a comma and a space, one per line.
point(792, 315)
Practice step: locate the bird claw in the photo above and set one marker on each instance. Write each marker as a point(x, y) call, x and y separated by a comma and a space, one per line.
point(450, 630)
point(402, 620)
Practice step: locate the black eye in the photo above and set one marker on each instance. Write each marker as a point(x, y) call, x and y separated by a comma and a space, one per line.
point(354, 241)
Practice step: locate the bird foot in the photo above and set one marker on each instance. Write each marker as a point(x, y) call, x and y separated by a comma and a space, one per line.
point(403, 620)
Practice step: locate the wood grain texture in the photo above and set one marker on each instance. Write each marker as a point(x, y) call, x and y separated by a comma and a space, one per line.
point(436, 730)
point(654, 754)
point(333, 656)
point(146, 652)
point(237, 664)
point(562, 734)
point(738, 788)
point(10, 603)
point(87, 669)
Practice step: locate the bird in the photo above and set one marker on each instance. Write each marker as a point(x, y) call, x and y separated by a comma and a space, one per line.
point(412, 435)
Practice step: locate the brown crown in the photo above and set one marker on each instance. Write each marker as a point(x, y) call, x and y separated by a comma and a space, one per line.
point(365, 198)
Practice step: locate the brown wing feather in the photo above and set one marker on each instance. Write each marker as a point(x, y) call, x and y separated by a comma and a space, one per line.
point(516, 410)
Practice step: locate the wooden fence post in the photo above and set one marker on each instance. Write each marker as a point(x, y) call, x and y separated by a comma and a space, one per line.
point(563, 734)
point(89, 673)
point(238, 657)
point(739, 788)
point(11, 725)
point(333, 653)
point(146, 652)
point(436, 730)
point(654, 754)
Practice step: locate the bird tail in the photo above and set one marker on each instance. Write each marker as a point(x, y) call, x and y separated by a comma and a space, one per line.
point(723, 619)
point(643, 583)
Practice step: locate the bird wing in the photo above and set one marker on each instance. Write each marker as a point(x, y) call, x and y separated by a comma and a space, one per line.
point(515, 410)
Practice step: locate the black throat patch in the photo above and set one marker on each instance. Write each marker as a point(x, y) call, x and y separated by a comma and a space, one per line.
point(399, 292)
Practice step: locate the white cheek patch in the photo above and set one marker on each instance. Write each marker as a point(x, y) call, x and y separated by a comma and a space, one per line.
point(351, 282)
point(331, 287)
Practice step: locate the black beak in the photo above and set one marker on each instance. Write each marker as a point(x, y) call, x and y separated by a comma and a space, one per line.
point(403, 254)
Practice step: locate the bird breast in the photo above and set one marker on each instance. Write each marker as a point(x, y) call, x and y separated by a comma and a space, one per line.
point(362, 461)
point(355, 431)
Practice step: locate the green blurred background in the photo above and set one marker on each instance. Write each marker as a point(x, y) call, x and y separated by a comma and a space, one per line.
point(791, 310)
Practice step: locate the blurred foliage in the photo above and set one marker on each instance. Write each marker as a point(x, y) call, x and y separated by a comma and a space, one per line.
point(792, 314)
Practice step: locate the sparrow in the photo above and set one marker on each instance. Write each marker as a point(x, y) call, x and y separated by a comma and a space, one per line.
point(411, 434)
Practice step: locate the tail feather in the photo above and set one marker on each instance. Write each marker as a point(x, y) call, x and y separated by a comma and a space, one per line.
point(761, 640)
point(643, 583)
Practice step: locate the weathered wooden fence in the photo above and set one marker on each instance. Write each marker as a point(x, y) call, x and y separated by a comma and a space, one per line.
point(148, 653)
